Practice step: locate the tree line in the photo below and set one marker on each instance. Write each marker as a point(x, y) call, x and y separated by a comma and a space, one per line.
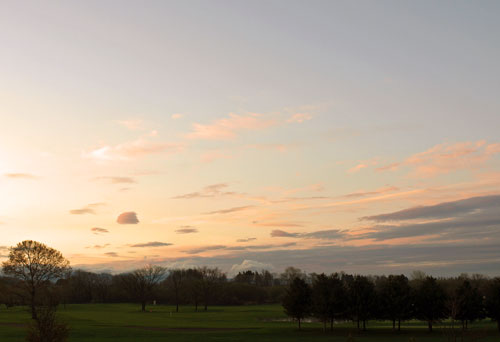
point(35, 274)
point(358, 298)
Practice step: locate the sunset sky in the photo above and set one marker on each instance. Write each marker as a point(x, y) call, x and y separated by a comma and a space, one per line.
point(328, 135)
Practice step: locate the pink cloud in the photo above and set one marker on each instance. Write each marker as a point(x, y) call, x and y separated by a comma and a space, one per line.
point(132, 150)
point(227, 128)
point(447, 157)
point(363, 165)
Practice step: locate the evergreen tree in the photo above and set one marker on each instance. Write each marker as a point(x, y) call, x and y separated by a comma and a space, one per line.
point(297, 300)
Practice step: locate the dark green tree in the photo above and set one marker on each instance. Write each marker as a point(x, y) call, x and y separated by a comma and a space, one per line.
point(470, 304)
point(363, 299)
point(430, 302)
point(321, 299)
point(297, 300)
point(395, 299)
point(493, 301)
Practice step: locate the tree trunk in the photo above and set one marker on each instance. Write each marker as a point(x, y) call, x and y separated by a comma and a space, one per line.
point(466, 324)
point(364, 325)
point(143, 306)
point(399, 325)
point(33, 307)
point(195, 306)
point(299, 323)
point(393, 324)
point(357, 321)
point(331, 324)
point(324, 325)
point(498, 324)
point(429, 324)
point(177, 307)
point(206, 306)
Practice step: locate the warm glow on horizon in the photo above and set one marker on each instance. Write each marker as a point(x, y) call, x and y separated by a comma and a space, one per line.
point(200, 136)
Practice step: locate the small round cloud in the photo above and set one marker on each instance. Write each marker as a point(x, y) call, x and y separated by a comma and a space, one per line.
point(128, 217)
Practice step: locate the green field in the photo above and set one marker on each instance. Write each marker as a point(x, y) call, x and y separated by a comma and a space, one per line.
point(124, 322)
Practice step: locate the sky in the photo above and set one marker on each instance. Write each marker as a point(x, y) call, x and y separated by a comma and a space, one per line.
point(353, 136)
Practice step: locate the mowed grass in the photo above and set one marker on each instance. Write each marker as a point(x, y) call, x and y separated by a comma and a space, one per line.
point(125, 322)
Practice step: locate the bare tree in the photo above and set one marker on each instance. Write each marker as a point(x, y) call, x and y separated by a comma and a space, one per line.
point(210, 278)
point(175, 280)
point(35, 265)
point(140, 284)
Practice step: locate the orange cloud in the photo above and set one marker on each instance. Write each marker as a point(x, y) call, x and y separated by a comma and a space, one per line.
point(227, 128)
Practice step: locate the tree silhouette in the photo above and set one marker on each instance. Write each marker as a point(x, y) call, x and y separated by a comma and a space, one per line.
point(141, 283)
point(430, 302)
point(470, 304)
point(493, 301)
point(35, 265)
point(297, 300)
point(395, 299)
point(321, 298)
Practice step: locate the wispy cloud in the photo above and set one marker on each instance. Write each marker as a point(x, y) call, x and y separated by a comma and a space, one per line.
point(299, 118)
point(204, 249)
point(246, 240)
point(112, 254)
point(98, 230)
point(282, 233)
point(99, 246)
point(186, 230)
point(230, 210)
point(363, 165)
point(128, 217)
point(151, 244)
point(89, 209)
point(20, 176)
point(115, 179)
point(278, 224)
point(371, 193)
point(229, 127)
point(214, 190)
point(176, 116)
point(329, 234)
point(447, 157)
point(132, 150)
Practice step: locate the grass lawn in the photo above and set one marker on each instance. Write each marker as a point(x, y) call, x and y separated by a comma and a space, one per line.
point(125, 322)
